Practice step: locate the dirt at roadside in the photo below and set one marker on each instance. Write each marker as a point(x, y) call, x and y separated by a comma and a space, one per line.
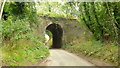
point(94, 61)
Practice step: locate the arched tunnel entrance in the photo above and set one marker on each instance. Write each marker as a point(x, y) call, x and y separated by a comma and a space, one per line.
point(57, 34)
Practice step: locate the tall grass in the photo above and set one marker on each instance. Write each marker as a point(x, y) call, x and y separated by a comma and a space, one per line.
point(107, 52)
point(23, 51)
point(21, 44)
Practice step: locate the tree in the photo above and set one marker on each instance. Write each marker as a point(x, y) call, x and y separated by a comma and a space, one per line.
point(2, 6)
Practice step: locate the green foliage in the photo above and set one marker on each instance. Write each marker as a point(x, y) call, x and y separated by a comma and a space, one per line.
point(20, 53)
point(12, 29)
point(50, 41)
point(20, 19)
point(20, 10)
point(58, 9)
point(106, 52)
point(20, 42)
point(49, 33)
point(16, 49)
point(102, 19)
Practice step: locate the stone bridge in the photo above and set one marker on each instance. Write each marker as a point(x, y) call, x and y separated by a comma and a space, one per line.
point(63, 30)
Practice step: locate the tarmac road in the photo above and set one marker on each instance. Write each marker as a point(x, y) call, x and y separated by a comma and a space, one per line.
point(60, 57)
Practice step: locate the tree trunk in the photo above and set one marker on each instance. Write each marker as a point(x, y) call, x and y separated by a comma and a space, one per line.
point(2, 6)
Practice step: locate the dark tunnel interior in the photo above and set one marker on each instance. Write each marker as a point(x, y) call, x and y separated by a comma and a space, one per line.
point(57, 33)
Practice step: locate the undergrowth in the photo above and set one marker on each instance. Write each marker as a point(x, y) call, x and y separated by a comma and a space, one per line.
point(21, 45)
point(107, 52)
point(23, 51)
point(51, 14)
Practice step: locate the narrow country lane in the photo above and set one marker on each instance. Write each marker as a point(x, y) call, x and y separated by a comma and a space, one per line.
point(60, 57)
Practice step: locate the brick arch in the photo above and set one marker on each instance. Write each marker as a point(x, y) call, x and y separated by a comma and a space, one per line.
point(57, 35)
point(71, 29)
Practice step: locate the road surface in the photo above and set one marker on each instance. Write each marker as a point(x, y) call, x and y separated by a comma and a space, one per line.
point(60, 57)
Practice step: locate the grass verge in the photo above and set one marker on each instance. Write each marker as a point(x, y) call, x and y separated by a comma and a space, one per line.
point(23, 51)
point(107, 52)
